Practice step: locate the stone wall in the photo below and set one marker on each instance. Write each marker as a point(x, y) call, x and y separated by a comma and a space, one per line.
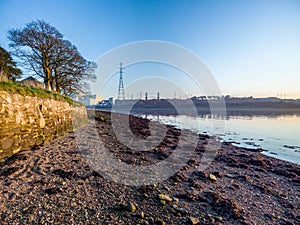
point(27, 121)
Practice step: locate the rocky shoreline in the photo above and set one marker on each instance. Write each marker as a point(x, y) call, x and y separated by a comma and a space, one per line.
point(54, 184)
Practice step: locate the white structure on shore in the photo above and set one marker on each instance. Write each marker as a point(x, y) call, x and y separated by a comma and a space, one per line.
point(89, 100)
point(106, 103)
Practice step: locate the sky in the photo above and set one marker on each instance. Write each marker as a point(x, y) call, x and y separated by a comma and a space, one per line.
point(251, 47)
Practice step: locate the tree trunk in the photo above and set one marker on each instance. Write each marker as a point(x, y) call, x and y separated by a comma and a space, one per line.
point(47, 72)
point(52, 83)
point(47, 78)
point(57, 84)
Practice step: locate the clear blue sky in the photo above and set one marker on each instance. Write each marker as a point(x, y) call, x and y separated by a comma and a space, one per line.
point(252, 47)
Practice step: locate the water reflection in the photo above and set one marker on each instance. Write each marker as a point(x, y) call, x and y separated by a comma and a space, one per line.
point(277, 132)
point(230, 113)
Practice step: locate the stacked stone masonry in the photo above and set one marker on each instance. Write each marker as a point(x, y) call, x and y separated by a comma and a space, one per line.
point(31, 121)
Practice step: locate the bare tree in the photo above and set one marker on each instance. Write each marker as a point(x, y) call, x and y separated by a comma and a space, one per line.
point(71, 70)
point(34, 46)
point(42, 49)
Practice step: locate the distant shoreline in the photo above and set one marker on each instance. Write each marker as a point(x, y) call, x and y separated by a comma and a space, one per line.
point(230, 111)
point(206, 105)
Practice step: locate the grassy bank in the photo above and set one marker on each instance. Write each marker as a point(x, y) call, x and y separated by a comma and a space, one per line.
point(24, 90)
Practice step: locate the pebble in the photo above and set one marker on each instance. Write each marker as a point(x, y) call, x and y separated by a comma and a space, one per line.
point(160, 222)
point(217, 174)
point(165, 197)
point(212, 177)
point(145, 195)
point(176, 200)
point(182, 211)
point(163, 202)
point(230, 176)
point(141, 215)
point(131, 207)
point(193, 221)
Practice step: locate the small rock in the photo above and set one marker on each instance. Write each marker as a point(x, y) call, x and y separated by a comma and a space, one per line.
point(165, 197)
point(140, 215)
point(193, 221)
point(160, 222)
point(176, 200)
point(182, 211)
point(131, 207)
point(163, 202)
point(212, 177)
point(217, 174)
point(231, 176)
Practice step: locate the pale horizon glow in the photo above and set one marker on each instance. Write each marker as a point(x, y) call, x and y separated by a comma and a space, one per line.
point(252, 47)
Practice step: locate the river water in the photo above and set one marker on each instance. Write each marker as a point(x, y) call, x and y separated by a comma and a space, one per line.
point(278, 135)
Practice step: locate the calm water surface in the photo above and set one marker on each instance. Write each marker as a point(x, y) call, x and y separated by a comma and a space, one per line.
point(278, 135)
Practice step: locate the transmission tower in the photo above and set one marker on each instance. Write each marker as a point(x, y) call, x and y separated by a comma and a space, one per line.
point(121, 93)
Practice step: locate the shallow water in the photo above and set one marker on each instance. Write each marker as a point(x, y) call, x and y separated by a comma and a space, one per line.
point(278, 135)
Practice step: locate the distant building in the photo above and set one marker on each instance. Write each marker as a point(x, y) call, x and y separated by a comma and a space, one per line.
point(31, 81)
point(107, 103)
point(89, 100)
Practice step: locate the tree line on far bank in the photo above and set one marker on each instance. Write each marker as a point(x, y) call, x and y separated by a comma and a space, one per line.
point(42, 50)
